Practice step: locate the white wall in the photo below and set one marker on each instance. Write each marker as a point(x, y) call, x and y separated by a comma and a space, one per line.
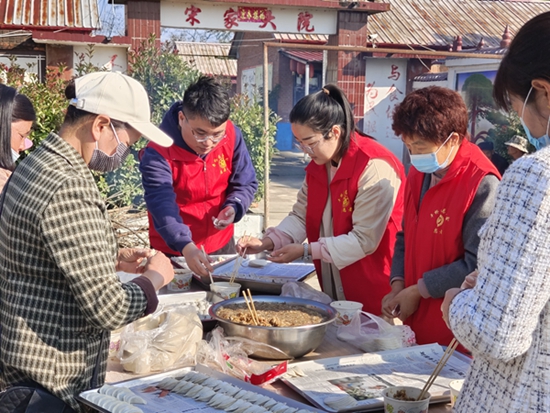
point(386, 81)
point(111, 57)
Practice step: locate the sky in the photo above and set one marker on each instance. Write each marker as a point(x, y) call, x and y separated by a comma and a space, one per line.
point(111, 18)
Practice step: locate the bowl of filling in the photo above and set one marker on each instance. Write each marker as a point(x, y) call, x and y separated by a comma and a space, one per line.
point(293, 325)
point(403, 399)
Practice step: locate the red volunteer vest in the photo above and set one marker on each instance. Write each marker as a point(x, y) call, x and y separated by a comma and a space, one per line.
point(200, 187)
point(433, 233)
point(366, 280)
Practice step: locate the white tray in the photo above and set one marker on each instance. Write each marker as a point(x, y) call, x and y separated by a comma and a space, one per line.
point(176, 403)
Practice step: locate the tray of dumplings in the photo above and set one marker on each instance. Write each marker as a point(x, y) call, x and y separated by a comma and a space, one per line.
point(189, 390)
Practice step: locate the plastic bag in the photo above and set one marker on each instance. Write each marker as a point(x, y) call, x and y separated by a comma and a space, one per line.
point(376, 334)
point(303, 290)
point(164, 340)
point(230, 356)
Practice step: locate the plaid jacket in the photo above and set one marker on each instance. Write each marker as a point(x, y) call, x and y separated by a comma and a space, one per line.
point(59, 292)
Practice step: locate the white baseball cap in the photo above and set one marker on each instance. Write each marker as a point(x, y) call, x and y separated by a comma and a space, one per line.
point(120, 97)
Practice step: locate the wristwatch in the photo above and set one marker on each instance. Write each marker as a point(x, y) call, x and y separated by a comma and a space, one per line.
point(307, 257)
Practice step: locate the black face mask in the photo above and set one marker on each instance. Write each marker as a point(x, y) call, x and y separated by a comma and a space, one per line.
point(102, 162)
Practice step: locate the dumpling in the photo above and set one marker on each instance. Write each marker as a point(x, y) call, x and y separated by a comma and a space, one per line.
point(168, 383)
point(270, 403)
point(230, 390)
point(221, 401)
point(245, 405)
point(262, 400)
point(211, 382)
point(183, 387)
point(205, 394)
point(255, 409)
point(279, 407)
point(194, 391)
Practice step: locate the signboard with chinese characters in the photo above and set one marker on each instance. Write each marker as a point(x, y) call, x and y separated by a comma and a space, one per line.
point(384, 88)
point(223, 16)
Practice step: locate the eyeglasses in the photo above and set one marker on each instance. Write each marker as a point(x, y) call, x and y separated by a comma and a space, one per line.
point(201, 137)
point(309, 148)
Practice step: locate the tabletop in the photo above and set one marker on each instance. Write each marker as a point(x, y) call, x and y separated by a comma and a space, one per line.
point(330, 347)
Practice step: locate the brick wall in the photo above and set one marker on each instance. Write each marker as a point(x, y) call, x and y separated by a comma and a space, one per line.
point(58, 54)
point(142, 20)
point(348, 68)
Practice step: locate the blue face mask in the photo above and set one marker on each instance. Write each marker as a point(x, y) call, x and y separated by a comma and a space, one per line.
point(538, 143)
point(427, 162)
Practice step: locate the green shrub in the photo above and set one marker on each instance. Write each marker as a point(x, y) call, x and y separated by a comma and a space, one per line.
point(165, 76)
point(248, 114)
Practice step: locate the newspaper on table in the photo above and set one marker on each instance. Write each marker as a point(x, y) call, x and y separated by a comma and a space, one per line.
point(365, 376)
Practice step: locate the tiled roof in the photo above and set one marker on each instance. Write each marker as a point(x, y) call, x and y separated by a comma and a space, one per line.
point(208, 58)
point(76, 14)
point(301, 37)
point(304, 55)
point(437, 23)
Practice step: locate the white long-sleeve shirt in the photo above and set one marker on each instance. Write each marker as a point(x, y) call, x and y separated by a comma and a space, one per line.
point(505, 319)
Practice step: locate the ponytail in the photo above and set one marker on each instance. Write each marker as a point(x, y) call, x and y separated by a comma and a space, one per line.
point(322, 110)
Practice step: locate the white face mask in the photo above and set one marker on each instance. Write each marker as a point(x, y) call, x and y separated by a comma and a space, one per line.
point(541, 141)
point(14, 155)
point(427, 162)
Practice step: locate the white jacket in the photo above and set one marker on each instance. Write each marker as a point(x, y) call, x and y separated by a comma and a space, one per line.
point(505, 319)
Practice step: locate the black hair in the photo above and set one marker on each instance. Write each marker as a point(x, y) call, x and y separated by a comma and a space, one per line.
point(321, 110)
point(75, 115)
point(208, 99)
point(526, 60)
point(13, 107)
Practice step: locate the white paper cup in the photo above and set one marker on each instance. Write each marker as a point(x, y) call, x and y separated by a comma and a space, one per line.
point(395, 405)
point(346, 311)
point(224, 291)
point(455, 386)
point(181, 282)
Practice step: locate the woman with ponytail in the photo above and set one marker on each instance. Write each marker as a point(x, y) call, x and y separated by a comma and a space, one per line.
point(349, 208)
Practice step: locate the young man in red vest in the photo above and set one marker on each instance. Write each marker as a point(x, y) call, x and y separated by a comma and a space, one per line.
point(449, 194)
point(196, 189)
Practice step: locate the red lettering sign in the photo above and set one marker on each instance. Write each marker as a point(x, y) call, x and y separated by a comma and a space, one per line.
point(192, 13)
point(304, 22)
point(230, 18)
point(394, 75)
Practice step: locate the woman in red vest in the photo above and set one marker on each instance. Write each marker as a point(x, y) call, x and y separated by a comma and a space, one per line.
point(449, 194)
point(349, 208)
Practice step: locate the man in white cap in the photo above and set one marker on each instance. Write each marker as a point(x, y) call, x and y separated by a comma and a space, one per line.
point(60, 295)
point(517, 147)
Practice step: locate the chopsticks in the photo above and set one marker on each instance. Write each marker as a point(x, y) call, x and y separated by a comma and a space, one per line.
point(251, 306)
point(206, 256)
point(446, 355)
point(238, 261)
